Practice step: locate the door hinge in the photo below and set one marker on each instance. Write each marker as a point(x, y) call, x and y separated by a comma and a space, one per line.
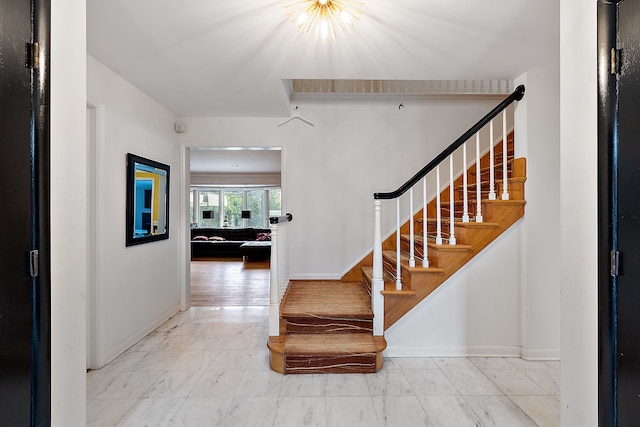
point(34, 263)
point(615, 263)
point(616, 59)
point(33, 55)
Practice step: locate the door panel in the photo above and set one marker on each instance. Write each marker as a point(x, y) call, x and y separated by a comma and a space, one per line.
point(15, 214)
point(628, 208)
point(25, 359)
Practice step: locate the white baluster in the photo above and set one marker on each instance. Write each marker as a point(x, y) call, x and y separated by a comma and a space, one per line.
point(412, 258)
point(284, 256)
point(438, 219)
point(478, 181)
point(505, 177)
point(425, 255)
point(492, 191)
point(452, 228)
point(282, 262)
point(274, 285)
point(377, 285)
point(465, 196)
point(398, 267)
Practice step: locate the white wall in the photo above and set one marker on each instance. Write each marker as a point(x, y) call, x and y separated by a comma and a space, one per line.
point(579, 221)
point(540, 278)
point(538, 128)
point(138, 287)
point(68, 213)
point(476, 312)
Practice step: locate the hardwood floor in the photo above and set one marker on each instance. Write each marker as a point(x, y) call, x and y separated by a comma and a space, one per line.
point(225, 282)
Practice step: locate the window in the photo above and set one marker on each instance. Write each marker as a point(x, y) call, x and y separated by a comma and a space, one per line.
point(275, 206)
point(209, 208)
point(255, 205)
point(232, 209)
point(222, 207)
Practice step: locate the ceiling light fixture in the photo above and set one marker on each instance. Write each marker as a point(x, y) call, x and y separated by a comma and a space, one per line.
point(323, 17)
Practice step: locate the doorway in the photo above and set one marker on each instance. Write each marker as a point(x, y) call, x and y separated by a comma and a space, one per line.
point(248, 175)
point(95, 141)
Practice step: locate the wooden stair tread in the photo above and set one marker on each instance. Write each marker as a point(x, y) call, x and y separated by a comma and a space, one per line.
point(389, 285)
point(458, 223)
point(327, 299)
point(496, 181)
point(276, 344)
point(451, 248)
point(497, 165)
point(471, 201)
point(329, 344)
point(404, 258)
point(390, 289)
point(506, 202)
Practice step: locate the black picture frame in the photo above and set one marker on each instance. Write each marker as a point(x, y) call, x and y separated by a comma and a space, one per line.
point(147, 207)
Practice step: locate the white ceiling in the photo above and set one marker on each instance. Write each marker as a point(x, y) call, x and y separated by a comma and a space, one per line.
point(231, 57)
point(235, 161)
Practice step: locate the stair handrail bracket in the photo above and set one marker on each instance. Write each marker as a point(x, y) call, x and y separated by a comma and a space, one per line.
point(447, 217)
point(278, 278)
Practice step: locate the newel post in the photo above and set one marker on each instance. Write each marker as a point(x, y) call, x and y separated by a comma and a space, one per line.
point(274, 285)
point(377, 285)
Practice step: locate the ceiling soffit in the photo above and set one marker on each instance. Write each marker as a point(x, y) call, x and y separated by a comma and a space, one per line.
point(318, 88)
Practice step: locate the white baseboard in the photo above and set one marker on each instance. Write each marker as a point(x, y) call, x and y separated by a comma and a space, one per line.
point(143, 332)
point(548, 354)
point(473, 351)
point(476, 351)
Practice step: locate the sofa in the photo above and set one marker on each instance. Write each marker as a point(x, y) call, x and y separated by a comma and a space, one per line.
point(228, 242)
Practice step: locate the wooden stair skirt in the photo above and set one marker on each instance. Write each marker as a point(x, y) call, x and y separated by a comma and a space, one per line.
point(326, 327)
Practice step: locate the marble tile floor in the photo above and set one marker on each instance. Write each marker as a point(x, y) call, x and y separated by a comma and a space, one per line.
point(209, 366)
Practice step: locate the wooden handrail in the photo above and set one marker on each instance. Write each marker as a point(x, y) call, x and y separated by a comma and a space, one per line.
point(516, 95)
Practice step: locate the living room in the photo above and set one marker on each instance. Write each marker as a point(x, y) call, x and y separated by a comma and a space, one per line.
point(231, 197)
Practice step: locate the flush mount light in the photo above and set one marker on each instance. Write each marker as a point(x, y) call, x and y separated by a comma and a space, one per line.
point(323, 17)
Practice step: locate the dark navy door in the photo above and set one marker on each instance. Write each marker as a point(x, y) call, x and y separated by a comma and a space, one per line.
point(628, 284)
point(24, 220)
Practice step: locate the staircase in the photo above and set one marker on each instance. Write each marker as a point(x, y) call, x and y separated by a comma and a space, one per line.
point(326, 327)
point(329, 327)
point(445, 259)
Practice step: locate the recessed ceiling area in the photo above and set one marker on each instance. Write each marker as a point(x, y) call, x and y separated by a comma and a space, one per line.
point(301, 88)
point(235, 161)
